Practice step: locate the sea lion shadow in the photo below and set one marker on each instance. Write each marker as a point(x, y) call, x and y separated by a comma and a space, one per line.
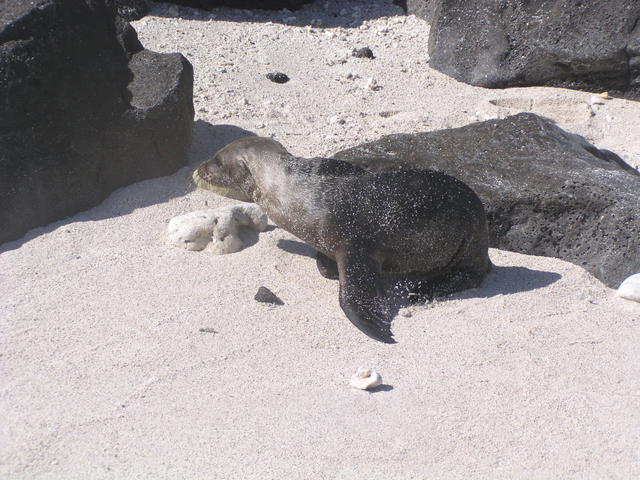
point(508, 280)
point(499, 281)
point(297, 248)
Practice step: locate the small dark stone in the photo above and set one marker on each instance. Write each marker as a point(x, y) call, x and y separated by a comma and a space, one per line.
point(207, 330)
point(264, 295)
point(278, 77)
point(364, 52)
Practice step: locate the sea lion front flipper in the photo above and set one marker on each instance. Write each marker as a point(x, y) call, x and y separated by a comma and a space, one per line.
point(358, 295)
point(326, 266)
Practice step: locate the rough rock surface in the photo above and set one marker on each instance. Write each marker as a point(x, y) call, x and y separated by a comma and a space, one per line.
point(568, 43)
point(546, 191)
point(85, 110)
point(132, 9)
point(245, 4)
point(421, 8)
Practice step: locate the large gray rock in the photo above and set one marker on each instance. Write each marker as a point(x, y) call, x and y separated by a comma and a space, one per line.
point(593, 45)
point(546, 191)
point(85, 110)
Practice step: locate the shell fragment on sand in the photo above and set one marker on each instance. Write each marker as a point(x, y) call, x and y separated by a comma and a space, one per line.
point(217, 229)
point(630, 288)
point(366, 379)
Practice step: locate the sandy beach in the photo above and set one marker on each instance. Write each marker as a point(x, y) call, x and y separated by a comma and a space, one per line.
point(123, 357)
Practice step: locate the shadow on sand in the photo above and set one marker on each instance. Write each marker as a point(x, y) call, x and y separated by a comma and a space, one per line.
point(508, 280)
point(500, 281)
point(350, 14)
point(297, 248)
point(207, 139)
point(381, 388)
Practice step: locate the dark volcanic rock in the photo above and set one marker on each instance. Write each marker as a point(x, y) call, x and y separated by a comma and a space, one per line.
point(264, 295)
point(132, 9)
point(245, 4)
point(593, 45)
point(85, 110)
point(364, 52)
point(420, 8)
point(207, 330)
point(546, 191)
point(278, 77)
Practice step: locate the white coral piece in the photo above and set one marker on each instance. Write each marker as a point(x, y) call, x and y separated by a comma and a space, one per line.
point(366, 379)
point(217, 229)
point(630, 288)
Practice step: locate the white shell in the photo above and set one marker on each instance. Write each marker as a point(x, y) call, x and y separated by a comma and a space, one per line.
point(215, 229)
point(372, 84)
point(630, 288)
point(366, 379)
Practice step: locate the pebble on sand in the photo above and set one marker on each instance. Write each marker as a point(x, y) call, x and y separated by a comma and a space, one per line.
point(264, 295)
point(366, 379)
point(630, 288)
point(278, 77)
point(364, 52)
point(372, 84)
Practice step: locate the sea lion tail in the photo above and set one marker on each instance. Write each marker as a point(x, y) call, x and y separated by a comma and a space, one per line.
point(358, 296)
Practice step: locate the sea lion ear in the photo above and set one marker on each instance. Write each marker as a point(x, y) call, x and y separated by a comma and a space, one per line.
point(240, 170)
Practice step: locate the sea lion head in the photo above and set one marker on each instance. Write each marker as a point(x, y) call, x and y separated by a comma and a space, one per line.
point(228, 174)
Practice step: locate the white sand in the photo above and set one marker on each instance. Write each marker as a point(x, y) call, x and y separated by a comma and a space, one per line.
point(105, 373)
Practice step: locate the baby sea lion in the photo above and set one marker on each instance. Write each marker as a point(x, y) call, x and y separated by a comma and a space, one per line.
point(421, 227)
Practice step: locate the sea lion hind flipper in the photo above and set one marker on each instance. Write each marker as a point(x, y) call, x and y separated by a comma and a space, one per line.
point(358, 296)
point(369, 321)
